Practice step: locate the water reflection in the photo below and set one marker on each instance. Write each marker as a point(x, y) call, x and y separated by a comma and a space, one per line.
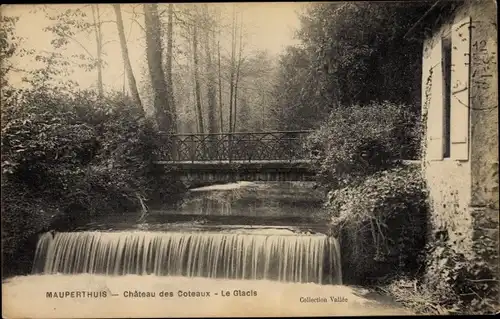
point(253, 199)
point(296, 205)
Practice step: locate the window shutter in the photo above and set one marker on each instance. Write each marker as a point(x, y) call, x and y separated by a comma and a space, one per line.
point(460, 64)
point(435, 103)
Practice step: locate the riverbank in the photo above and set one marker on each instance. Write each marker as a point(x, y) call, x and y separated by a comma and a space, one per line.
point(118, 296)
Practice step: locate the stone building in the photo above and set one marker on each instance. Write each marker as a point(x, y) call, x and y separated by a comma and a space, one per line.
point(460, 117)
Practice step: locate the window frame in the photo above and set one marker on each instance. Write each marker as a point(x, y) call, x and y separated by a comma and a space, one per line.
point(446, 66)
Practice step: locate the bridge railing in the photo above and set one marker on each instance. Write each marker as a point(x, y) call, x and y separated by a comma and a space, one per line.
point(238, 146)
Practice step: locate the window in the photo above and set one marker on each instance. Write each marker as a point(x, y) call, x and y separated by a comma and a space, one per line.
point(446, 67)
point(447, 96)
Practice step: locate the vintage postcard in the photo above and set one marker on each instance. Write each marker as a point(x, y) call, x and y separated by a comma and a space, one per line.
point(249, 159)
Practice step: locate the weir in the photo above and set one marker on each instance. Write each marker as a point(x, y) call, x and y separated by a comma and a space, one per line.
point(279, 257)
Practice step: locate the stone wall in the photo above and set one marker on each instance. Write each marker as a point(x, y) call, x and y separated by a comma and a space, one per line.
point(464, 192)
point(484, 132)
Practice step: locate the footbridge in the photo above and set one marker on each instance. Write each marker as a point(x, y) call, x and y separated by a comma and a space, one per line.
point(229, 157)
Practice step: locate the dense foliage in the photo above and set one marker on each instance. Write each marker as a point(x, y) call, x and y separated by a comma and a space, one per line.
point(351, 53)
point(8, 46)
point(357, 141)
point(465, 283)
point(66, 158)
point(455, 282)
point(365, 81)
point(381, 223)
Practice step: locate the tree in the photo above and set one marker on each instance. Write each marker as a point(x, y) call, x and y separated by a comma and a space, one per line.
point(232, 70)
point(170, 84)
point(98, 36)
point(67, 26)
point(238, 68)
point(330, 69)
point(378, 64)
point(221, 106)
point(210, 70)
point(298, 103)
point(126, 60)
point(257, 75)
point(8, 46)
point(197, 89)
point(154, 56)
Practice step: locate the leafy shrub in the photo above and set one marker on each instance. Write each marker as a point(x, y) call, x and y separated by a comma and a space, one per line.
point(54, 142)
point(455, 283)
point(465, 283)
point(381, 223)
point(67, 157)
point(358, 141)
point(23, 215)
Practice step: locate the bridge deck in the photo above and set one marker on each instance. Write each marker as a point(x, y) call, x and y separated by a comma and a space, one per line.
point(258, 165)
point(237, 156)
point(213, 162)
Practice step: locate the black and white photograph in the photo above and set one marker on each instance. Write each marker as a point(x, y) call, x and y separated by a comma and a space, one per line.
point(249, 159)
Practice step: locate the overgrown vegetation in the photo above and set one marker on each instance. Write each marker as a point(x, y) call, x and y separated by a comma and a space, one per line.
point(68, 155)
point(382, 224)
point(467, 282)
point(67, 158)
point(367, 86)
point(377, 203)
point(357, 141)
point(378, 208)
point(351, 53)
point(455, 283)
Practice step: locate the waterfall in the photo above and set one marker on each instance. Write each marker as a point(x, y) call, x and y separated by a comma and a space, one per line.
point(290, 258)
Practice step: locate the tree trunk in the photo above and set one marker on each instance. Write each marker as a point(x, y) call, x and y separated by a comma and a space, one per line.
point(237, 78)
point(98, 38)
point(211, 90)
point(197, 90)
point(154, 57)
point(221, 106)
point(170, 85)
point(231, 87)
point(126, 60)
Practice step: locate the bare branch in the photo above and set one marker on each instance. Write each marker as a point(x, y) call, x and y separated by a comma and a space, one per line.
point(138, 23)
point(192, 23)
point(107, 42)
point(79, 43)
point(129, 32)
point(161, 13)
point(133, 10)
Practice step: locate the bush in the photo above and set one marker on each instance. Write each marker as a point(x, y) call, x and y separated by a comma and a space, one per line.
point(465, 283)
point(68, 157)
point(23, 215)
point(358, 141)
point(62, 145)
point(455, 283)
point(381, 223)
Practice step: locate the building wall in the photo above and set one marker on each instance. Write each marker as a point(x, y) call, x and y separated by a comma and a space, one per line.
point(484, 131)
point(464, 190)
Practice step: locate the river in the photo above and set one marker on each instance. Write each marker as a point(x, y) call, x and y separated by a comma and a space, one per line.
point(242, 249)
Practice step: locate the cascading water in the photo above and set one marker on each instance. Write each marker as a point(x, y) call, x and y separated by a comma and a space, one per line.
point(293, 258)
